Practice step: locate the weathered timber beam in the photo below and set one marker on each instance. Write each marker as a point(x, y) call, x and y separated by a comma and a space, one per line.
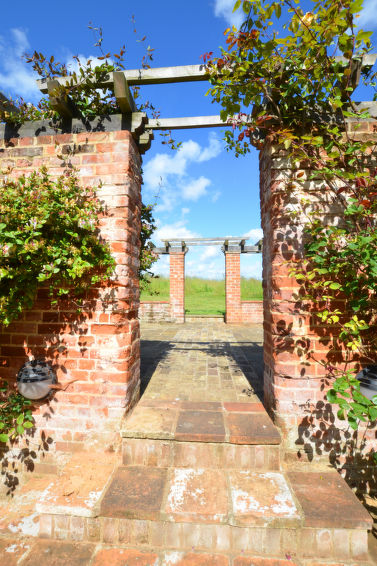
point(178, 74)
point(7, 105)
point(368, 60)
point(251, 250)
point(59, 102)
point(161, 251)
point(186, 123)
point(122, 93)
point(205, 240)
point(161, 75)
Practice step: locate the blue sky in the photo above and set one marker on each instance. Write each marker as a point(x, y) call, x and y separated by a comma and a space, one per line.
point(201, 190)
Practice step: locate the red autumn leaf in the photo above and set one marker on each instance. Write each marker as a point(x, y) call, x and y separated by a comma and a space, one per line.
point(241, 136)
point(341, 190)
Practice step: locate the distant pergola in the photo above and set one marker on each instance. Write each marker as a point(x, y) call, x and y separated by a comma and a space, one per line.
point(232, 247)
point(227, 244)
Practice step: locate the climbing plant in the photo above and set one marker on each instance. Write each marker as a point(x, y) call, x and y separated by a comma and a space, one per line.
point(48, 236)
point(287, 78)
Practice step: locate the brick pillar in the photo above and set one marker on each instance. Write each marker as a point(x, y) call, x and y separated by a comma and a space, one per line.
point(233, 314)
point(177, 286)
point(296, 344)
point(289, 386)
point(99, 349)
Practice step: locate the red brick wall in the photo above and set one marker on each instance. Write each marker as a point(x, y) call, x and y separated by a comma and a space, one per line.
point(100, 348)
point(177, 286)
point(295, 386)
point(233, 314)
point(252, 312)
point(154, 311)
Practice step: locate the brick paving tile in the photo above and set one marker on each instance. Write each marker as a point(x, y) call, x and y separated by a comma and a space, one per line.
point(253, 561)
point(174, 558)
point(201, 406)
point(124, 557)
point(263, 499)
point(80, 486)
point(197, 495)
point(12, 550)
point(53, 553)
point(151, 422)
point(202, 426)
point(251, 429)
point(135, 492)
point(244, 407)
point(318, 492)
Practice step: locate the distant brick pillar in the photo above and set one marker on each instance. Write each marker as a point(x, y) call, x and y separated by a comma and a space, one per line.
point(99, 349)
point(177, 285)
point(233, 314)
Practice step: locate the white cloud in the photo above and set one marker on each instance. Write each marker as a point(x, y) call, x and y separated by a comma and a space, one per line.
point(251, 266)
point(224, 9)
point(16, 77)
point(167, 174)
point(255, 234)
point(195, 189)
point(210, 252)
point(215, 196)
point(368, 15)
point(213, 150)
point(175, 230)
point(185, 211)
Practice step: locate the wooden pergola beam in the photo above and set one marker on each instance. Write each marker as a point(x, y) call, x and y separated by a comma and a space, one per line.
point(178, 74)
point(160, 75)
point(59, 102)
point(123, 94)
point(187, 123)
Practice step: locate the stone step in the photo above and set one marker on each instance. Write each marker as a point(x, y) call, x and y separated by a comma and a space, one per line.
point(178, 454)
point(298, 514)
point(59, 553)
point(206, 434)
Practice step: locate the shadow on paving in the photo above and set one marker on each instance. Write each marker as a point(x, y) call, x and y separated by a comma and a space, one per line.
point(247, 355)
point(152, 353)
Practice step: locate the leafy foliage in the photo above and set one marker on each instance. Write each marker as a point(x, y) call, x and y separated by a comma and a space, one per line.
point(15, 414)
point(298, 79)
point(147, 256)
point(49, 237)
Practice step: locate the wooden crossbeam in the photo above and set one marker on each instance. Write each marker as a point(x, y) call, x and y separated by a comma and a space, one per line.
point(61, 103)
point(123, 94)
point(7, 105)
point(159, 75)
point(178, 74)
point(187, 123)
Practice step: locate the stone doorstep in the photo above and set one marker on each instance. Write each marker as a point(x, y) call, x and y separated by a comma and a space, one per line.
point(62, 553)
point(322, 546)
point(231, 511)
point(181, 454)
point(78, 490)
point(235, 423)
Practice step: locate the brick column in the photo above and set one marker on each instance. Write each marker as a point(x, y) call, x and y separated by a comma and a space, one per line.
point(177, 285)
point(98, 350)
point(296, 344)
point(233, 313)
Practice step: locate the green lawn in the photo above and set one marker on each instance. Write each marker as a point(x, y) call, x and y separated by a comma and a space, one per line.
point(203, 296)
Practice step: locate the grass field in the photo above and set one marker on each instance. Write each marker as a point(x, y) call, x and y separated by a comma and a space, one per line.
point(203, 296)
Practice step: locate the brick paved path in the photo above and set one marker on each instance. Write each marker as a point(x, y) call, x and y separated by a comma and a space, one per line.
point(200, 482)
point(202, 361)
